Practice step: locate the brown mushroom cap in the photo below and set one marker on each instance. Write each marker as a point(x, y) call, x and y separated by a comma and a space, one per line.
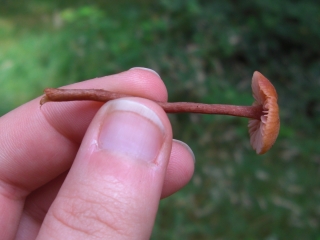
point(264, 132)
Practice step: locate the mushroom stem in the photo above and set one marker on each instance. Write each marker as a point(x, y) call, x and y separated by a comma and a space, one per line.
point(253, 112)
point(58, 95)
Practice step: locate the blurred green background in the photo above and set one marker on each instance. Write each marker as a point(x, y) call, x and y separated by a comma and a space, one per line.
point(205, 51)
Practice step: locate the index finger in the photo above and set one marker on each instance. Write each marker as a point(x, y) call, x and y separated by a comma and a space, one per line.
point(38, 145)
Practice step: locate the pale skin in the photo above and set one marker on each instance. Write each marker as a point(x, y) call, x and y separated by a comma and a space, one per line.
point(51, 187)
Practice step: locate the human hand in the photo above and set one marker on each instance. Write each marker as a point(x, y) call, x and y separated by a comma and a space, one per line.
point(77, 170)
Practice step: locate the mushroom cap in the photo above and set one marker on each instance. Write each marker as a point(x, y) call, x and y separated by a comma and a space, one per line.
point(264, 132)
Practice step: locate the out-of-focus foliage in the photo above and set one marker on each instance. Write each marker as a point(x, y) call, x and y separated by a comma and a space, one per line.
point(205, 51)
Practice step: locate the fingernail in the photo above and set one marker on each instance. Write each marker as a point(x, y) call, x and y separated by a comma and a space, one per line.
point(146, 69)
point(132, 129)
point(186, 146)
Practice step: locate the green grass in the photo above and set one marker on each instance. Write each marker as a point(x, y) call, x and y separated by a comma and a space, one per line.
point(205, 51)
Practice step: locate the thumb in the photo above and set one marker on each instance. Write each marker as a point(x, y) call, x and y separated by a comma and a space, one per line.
point(114, 186)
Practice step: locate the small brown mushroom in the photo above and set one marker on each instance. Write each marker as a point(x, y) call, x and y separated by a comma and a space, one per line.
point(264, 123)
point(264, 132)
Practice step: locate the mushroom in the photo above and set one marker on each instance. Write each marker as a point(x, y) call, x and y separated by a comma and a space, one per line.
point(264, 123)
point(264, 132)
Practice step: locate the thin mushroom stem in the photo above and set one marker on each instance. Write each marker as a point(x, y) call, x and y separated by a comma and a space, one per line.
point(59, 95)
